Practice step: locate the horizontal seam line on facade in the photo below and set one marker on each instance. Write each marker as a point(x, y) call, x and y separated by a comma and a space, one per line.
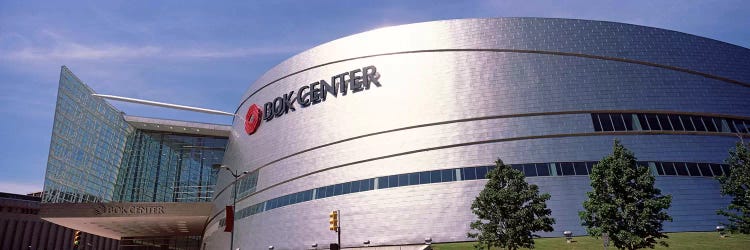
point(729, 80)
point(479, 119)
point(478, 143)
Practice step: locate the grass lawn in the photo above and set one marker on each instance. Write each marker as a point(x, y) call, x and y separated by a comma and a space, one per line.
point(703, 240)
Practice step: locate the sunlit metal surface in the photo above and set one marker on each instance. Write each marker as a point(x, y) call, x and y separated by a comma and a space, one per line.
point(448, 87)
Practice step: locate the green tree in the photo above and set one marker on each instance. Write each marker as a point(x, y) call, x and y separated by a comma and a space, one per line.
point(509, 210)
point(737, 184)
point(624, 202)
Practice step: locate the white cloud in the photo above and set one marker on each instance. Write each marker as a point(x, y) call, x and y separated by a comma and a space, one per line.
point(73, 51)
point(19, 188)
point(62, 50)
point(59, 48)
point(232, 53)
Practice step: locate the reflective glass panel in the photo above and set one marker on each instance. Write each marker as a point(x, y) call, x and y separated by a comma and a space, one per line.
point(542, 169)
point(469, 174)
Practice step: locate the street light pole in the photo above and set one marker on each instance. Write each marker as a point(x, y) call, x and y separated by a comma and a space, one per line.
point(236, 175)
point(234, 208)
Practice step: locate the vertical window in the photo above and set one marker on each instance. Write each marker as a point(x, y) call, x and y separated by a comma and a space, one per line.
point(595, 120)
point(628, 118)
point(606, 122)
point(722, 124)
point(699, 126)
point(448, 175)
point(643, 122)
point(355, 186)
point(364, 185)
point(710, 124)
point(567, 168)
point(383, 182)
point(542, 169)
point(676, 123)
point(681, 170)
point(435, 176)
point(301, 196)
point(687, 122)
point(668, 168)
point(393, 181)
point(291, 199)
point(705, 169)
point(424, 177)
point(272, 204)
point(338, 189)
point(653, 122)
point(347, 188)
point(617, 121)
point(580, 168)
point(413, 178)
point(732, 128)
point(693, 169)
point(743, 126)
point(659, 169)
point(470, 174)
point(403, 180)
point(529, 169)
point(664, 121)
point(590, 166)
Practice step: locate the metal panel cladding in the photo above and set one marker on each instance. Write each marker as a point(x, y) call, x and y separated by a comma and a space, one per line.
point(404, 158)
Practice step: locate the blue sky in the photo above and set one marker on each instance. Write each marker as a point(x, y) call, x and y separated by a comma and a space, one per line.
point(207, 53)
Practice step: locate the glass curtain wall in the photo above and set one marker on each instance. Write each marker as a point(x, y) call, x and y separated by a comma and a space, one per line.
point(168, 167)
point(87, 144)
point(96, 156)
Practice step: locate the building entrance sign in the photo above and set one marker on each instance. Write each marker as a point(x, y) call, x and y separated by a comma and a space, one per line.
point(127, 210)
point(130, 219)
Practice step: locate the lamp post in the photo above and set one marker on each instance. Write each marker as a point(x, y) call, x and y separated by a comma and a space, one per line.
point(568, 236)
point(236, 175)
point(720, 229)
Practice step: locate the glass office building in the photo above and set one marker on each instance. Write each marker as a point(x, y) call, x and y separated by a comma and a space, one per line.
point(87, 146)
point(99, 156)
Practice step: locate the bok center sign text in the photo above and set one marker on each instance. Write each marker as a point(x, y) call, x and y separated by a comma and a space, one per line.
point(352, 81)
point(127, 210)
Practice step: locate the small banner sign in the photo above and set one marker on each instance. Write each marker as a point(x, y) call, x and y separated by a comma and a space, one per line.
point(229, 219)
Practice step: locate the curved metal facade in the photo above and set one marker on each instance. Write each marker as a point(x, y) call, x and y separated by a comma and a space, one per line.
point(462, 93)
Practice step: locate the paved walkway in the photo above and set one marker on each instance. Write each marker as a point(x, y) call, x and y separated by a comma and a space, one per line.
point(408, 247)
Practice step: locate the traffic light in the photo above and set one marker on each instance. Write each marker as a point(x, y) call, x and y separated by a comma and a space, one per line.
point(76, 238)
point(334, 221)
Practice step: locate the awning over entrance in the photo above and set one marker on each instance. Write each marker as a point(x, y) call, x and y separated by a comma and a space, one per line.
point(117, 220)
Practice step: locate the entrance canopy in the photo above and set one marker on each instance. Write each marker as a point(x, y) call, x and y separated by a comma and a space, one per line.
point(134, 219)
